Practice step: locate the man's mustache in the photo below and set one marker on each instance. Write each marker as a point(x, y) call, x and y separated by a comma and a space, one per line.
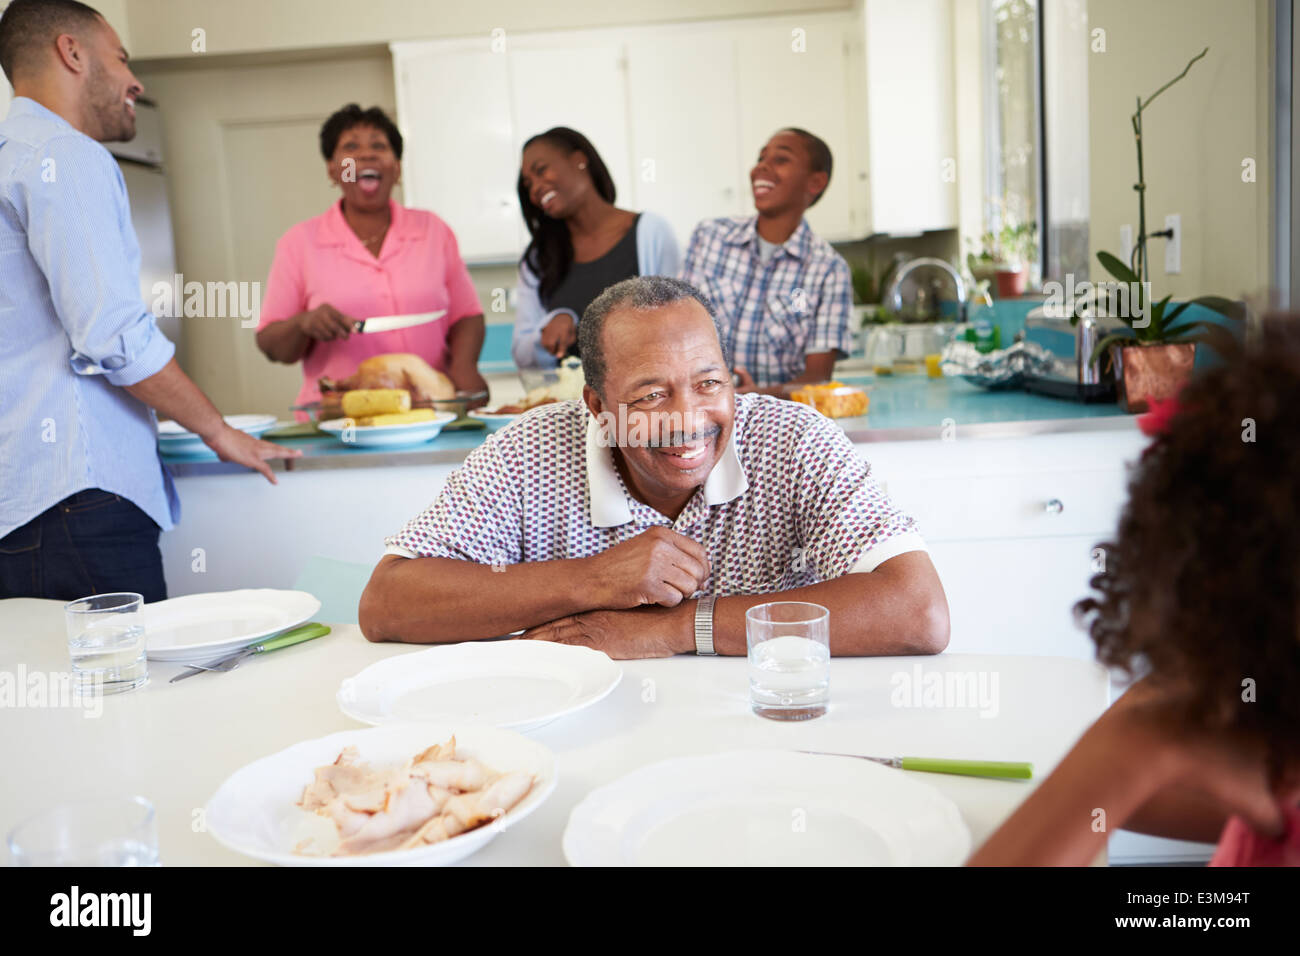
point(677, 439)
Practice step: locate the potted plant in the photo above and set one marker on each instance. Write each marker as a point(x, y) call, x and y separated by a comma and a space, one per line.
point(1154, 356)
point(1018, 243)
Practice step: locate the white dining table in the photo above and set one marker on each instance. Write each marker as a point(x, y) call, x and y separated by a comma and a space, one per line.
point(175, 743)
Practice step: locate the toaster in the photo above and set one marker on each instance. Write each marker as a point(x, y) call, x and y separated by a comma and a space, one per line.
point(1070, 375)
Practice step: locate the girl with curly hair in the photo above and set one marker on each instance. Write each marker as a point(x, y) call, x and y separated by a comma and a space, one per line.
point(1200, 599)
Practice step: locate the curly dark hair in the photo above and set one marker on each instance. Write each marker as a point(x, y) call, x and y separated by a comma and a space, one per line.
point(352, 116)
point(1202, 587)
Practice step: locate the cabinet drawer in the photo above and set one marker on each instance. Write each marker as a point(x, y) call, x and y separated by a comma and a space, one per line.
point(957, 508)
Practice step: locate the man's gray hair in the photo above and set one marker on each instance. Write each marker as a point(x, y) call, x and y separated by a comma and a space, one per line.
point(640, 294)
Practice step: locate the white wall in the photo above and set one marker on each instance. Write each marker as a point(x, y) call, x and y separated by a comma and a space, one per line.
point(1195, 137)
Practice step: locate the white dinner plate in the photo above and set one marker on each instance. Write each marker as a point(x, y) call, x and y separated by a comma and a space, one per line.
point(385, 436)
point(203, 627)
point(766, 808)
point(493, 420)
point(255, 812)
point(175, 440)
point(512, 683)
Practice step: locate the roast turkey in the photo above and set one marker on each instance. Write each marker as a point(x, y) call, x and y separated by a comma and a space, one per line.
point(397, 370)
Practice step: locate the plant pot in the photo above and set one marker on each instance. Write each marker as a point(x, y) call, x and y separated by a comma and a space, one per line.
point(1147, 372)
point(1011, 282)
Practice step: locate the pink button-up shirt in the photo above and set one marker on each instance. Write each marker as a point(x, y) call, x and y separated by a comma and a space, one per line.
point(419, 269)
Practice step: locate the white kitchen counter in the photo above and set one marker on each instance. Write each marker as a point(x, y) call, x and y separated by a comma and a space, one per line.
point(176, 743)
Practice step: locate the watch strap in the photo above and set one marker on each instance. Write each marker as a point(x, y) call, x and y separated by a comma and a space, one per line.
point(704, 625)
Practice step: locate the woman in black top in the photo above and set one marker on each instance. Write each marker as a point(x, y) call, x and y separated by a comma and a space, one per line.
point(581, 243)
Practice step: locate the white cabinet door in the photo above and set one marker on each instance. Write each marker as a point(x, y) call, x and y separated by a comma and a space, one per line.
point(1015, 595)
point(583, 87)
point(797, 73)
point(453, 103)
point(910, 95)
point(685, 145)
point(6, 94)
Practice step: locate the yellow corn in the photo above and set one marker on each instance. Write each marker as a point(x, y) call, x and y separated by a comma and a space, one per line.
point(399, 418)
point(361, 402)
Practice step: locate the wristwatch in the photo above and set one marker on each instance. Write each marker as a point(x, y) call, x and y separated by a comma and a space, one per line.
point(704, 625)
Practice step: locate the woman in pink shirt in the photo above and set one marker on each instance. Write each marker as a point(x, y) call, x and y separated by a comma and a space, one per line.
point(367, 256)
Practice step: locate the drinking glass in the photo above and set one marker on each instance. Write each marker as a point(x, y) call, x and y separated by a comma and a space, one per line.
point(117, 831)
point(106, 641)
point(789, 659)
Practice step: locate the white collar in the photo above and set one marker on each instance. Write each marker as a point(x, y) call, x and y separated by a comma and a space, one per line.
point(608, 506)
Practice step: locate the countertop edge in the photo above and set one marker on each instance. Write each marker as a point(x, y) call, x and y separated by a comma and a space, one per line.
point(857, 431)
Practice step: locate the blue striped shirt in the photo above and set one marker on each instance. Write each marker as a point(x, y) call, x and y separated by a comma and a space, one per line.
point(774, 314)
point(73, 328)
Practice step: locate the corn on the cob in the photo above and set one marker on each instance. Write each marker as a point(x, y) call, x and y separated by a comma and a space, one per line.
point(398, 418)
point(362, 402)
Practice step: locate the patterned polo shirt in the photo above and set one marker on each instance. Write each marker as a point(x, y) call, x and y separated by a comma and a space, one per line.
point(774, 314)
point(789, 503)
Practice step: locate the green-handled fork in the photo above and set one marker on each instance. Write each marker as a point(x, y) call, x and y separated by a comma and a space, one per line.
point(306, 632)
point(1003, 769)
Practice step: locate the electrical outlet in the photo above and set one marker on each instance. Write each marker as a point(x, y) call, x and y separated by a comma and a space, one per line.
point(1126, 243)
point(1174, 244)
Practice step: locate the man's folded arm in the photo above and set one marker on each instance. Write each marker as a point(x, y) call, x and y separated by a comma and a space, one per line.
point(896, 609)
point(445, 600)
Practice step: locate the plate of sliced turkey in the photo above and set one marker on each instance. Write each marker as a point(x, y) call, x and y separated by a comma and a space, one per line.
point(398, 795)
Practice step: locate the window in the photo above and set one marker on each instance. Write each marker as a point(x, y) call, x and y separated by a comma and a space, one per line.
point(1036, 104)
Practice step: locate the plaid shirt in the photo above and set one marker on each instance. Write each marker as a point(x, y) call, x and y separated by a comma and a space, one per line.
point(789, 503)
point(800, 303)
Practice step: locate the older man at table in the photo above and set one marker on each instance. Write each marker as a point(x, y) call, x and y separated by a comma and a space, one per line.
point(617, 523)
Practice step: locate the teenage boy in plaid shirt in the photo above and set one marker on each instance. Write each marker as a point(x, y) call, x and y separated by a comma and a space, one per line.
point(782, 294)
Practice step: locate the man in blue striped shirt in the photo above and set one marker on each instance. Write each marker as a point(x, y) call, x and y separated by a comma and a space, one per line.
point(83, 366)
point(782, 294)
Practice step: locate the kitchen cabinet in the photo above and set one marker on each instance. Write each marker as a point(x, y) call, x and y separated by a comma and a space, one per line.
point(680, 111)
point(466, 110)
point(695, 165)
point(460, 158)
point(910, 128)
point(1012, 525)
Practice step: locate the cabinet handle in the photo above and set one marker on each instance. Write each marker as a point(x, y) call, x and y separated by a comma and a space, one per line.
point(1054, 507)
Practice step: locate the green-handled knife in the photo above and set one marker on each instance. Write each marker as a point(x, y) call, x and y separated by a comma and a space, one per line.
point(296, 636)
point(1011, 770)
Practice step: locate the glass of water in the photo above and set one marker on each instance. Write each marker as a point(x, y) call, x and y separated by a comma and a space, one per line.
point(120, 831)
point(106, 641)
point(789, 659)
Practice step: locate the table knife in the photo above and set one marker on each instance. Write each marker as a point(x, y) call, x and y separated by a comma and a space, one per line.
point(387, 323)
point(970, 768)
point(296, 636)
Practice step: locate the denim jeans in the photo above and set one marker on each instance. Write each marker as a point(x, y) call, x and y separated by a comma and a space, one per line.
point(93, 542)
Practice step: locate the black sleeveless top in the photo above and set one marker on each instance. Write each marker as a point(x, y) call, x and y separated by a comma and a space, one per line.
point(586, 280)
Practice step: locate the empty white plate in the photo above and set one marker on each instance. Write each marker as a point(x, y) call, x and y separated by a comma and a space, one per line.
point(386, 436)
point(517, 684)
point(203, 627)
point(255, 811)
point(766, 808)
point(175, 440)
